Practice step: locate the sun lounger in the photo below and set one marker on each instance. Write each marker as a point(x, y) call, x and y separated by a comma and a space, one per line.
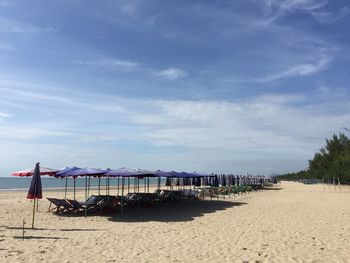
point(99, 203)
point(77, 206)
point(61, 205)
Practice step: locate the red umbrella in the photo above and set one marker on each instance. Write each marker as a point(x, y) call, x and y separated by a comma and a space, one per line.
point(35, 189)
point(30, 172)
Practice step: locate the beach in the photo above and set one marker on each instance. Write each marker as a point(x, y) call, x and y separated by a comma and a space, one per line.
point(291, 222)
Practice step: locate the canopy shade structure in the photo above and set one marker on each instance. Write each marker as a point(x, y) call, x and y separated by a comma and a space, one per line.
point(30, 172)
point(147, 173)
point(63, 171)
point(125, 172)
point(174, 174)
point(160, 173)
point(82, 172)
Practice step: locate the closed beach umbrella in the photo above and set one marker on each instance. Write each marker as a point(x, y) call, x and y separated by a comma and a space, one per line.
point(35, 189)
point(223, 180)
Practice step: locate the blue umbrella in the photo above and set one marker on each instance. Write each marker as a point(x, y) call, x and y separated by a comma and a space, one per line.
point(84, 172)
point(35, 189)
point(126, 172)
point(62, 174)
point(160, 173)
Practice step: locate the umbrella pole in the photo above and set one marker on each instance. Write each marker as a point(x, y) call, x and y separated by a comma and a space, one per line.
point(65, 189)
point(129, 184)
point(118, 186)
point(106, 184)
point(122, 203)
point(37, 205)
point(88, 190)
point(85, 210)
point(158, 192)
point(109, 185)
point(99, 185)
point(138, 191)
point(74, 187)
point(85, 187)
point(147, 184)
point(33, 213)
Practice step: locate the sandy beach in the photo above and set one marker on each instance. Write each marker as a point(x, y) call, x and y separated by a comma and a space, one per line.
point(297, 223)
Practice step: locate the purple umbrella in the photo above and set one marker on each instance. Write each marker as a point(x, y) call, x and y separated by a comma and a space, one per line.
point(35, 189)
point(160, 173)
point(62, 174)
point(126, 172)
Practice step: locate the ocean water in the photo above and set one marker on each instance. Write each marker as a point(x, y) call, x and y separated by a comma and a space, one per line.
point(22, 183)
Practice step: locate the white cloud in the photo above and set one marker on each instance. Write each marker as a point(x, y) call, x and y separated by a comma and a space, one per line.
point(274, 124)
point(11, 132)
point(179, 134)
point(16, 26)
point(82, 102)
point(330, 17)
point(298, 70)
point(277, 8)
point(173, 74)
point(109, 63)
point(6, 3)
point(4, 115)
point(6, 47)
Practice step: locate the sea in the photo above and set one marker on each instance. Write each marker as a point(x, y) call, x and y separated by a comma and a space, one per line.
point(23, 183)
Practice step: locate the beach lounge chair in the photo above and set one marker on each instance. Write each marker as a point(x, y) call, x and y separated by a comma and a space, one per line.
point(164, 195)
point(131, 199)
point(61, 205)
point(108, 203)
point(148, 198)
point(76, 206)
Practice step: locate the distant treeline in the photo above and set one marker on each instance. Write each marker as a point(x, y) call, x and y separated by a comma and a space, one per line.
point(332, 162)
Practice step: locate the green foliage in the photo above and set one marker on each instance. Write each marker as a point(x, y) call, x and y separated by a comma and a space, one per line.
point(332, 161)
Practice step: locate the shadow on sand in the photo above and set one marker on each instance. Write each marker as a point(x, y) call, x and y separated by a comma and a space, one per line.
point(273, 188)
point(49, 229)
point(172, 212)
point(38, 237)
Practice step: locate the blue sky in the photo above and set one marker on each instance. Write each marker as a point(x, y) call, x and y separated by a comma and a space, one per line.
point(213, 86)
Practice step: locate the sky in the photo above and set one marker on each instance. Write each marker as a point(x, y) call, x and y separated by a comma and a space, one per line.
point(245, 86)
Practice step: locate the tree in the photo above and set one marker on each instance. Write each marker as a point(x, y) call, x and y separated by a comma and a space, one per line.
point(332, 161)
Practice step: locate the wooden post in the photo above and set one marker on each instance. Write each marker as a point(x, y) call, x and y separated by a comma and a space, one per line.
point(33, 213)
point(23, 229)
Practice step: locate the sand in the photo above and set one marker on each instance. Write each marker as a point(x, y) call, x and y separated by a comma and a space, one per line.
point(298, 223)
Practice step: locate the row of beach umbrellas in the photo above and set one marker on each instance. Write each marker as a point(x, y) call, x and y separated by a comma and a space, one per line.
point(121, 172)
point(194, 178)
